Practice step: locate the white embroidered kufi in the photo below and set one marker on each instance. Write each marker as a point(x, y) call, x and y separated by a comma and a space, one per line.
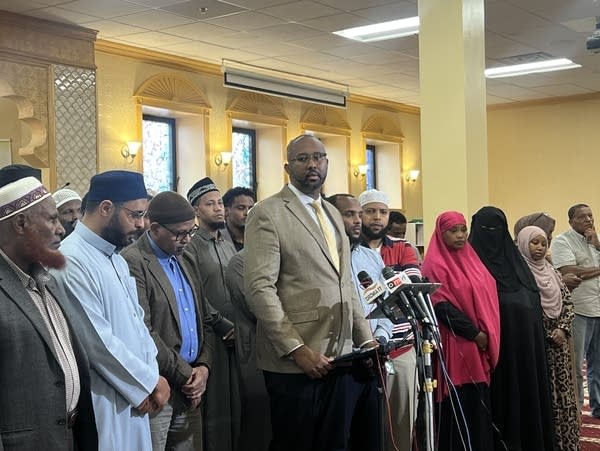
point(373, 195)
point(20, 195)
point(62, 196)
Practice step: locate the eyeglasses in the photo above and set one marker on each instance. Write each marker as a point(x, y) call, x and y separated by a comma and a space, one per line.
point(135, 215)
point(303, 158)
point(181, 235)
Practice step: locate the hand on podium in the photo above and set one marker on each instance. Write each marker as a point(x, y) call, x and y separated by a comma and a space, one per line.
point(314, 364)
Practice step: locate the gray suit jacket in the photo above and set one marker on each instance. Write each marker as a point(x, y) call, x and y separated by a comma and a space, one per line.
point(292, 286)
point(161, 314)
point(32, 384)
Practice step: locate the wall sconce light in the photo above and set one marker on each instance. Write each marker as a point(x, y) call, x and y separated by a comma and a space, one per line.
point(223, 159)
point(361, 170)
point(130, 149)
point(412, 175)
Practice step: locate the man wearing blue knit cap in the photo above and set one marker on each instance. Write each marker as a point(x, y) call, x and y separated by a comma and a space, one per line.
point(125, 382)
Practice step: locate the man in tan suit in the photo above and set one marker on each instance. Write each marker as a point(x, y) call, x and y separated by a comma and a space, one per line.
point(176, 315)
point(299, 285)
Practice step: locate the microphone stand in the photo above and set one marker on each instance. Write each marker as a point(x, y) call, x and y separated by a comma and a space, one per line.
point(425, 328)
point(426, 340)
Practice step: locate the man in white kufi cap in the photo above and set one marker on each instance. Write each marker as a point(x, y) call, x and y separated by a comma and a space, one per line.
point(68, 203)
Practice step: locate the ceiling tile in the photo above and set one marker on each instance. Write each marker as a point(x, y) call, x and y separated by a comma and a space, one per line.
point(390, 11)
point(511, 91)
point(247, 20)
point(104, 9)
point(288, 32)
point(406, 42)
point(257, 4)
point(300, 11)
point(549, 37)
point(408, 67)
point(20, 6)
point(47, 2)
point(585, 25)
point(239, 55)
point(62, 15)
point(498, 47)
point(504, 18)
point(584, 78)
point(377, 56)
point(210, 53)
point(320, 42)
point(352, 5)
point(399, 79)
point(192, 10)
point(311, 59)
point(492, 100)
point(153, 20)
point(349, 51)
point(197, 30)
point(336, 22)
point(562, 90)
point(270, 48)
point(155, 3)
point(153, 39)
point(544, 79)
point(234, 29)
point(561, 10)
point(110, 29)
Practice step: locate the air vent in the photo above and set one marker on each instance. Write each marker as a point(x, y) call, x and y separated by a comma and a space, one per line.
point(527, 58)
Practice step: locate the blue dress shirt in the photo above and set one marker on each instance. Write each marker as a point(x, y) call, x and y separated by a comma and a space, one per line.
point(185, 302)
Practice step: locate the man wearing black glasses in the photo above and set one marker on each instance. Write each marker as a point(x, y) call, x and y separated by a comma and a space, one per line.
point(125, 381)
point(176, 316)
point(298, 283)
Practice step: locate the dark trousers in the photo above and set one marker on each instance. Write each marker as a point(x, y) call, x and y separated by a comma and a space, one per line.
point(474, 399)
point(336, 413)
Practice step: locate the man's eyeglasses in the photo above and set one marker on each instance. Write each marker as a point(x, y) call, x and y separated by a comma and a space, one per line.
point(181, 235)
point(303, 158)
point(133, 214)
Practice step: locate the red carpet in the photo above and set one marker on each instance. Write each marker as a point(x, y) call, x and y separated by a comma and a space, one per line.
point(590, 427)
point(590, 431)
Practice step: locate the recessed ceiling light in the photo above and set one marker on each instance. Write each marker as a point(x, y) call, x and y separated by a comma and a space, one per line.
point(382, 31)
point(531, 68)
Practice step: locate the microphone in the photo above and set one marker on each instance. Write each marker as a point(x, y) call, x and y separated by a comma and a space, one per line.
point(396, 282)
point(373, 291)
point(425, 301)
point(403, 283)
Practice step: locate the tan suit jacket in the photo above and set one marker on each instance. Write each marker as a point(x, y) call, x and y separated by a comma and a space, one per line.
point(292, 286)
point(161, 314)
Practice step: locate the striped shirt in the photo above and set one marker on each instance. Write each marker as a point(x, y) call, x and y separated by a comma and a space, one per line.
point(58, 329)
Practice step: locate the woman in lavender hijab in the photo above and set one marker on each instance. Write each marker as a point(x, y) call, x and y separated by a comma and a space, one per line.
point(557, 318)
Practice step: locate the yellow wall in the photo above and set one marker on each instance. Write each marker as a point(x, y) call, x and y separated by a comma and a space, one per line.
point(118, 77)
point(545, 158)
point(11, 128)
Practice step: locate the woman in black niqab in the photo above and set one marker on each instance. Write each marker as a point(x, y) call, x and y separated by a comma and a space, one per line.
point(521, 406)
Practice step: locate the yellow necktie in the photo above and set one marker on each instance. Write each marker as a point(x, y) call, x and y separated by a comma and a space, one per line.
point(329, 237)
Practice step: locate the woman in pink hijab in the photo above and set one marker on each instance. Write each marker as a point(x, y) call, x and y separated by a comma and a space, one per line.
point(467, 309)
point(557, 318)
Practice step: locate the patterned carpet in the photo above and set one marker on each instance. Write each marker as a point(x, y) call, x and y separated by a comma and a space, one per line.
point(590, 427)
